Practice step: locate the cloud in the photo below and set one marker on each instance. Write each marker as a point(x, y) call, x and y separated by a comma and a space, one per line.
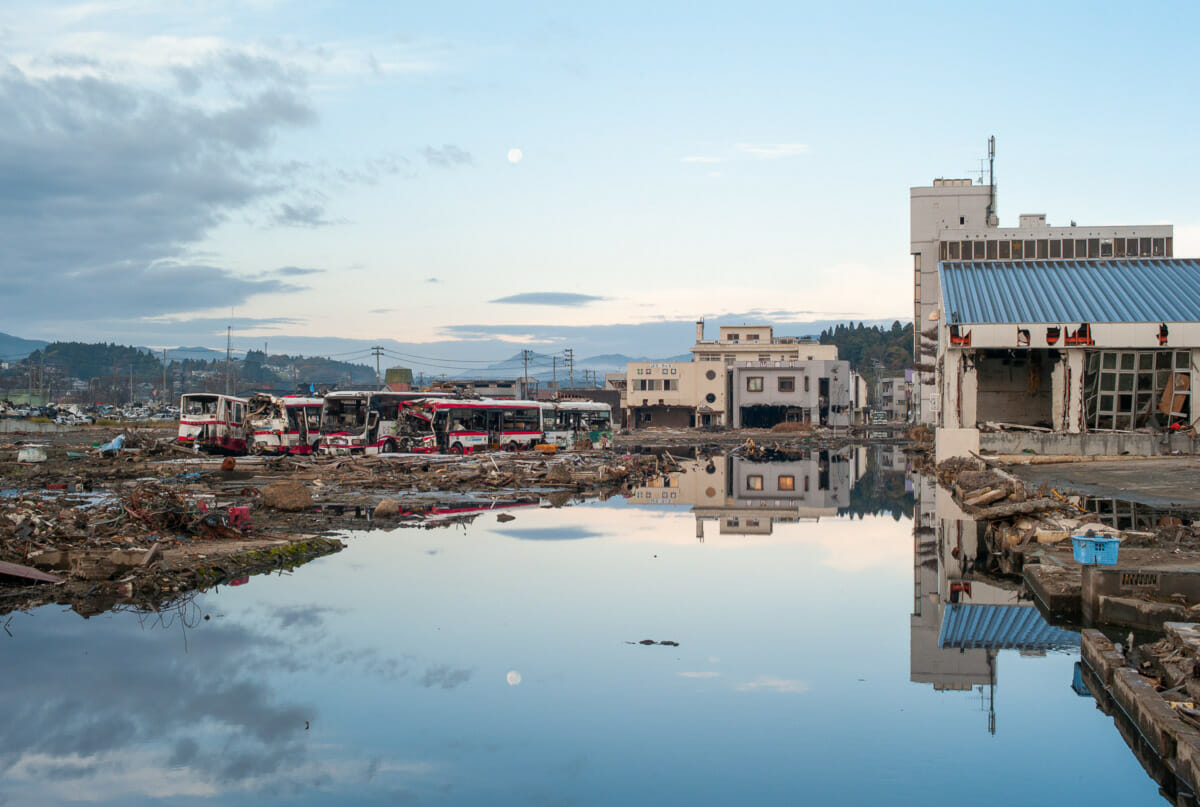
point(767, 683)
point(296, 271)
point(549, 298)
point(432, 280)
point(704, 674)
point(381, 310)
point(445, 677)
point(301, 214)
point(701, 159)
point(447, 156)
point(773, 150)
point(104, 187)
point(552, 533)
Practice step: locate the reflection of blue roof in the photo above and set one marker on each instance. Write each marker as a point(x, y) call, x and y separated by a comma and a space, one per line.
point(1159, 290)
point(966, 626)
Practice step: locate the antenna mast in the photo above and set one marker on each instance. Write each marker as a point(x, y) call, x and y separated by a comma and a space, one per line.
point(992, 219)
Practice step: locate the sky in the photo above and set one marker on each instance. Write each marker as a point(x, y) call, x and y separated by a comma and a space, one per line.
point(472, 179)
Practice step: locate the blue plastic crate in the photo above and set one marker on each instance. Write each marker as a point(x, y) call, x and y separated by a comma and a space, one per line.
point(1099, 550)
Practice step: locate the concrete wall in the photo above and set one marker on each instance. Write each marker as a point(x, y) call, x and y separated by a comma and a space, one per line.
point(1100, 444)
point(1003, 390)
point(695, 382)
point(19, 425)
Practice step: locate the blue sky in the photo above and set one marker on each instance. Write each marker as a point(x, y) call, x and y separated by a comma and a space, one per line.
point(342, 170)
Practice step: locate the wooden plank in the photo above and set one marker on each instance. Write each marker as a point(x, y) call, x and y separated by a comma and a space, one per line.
point(27, 573)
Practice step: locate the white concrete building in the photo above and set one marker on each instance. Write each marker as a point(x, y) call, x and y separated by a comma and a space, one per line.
point(954, 220)
point(822, 392)
point(1068, 346)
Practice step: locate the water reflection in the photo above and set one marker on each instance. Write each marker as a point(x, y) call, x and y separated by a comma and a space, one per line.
point(745, 496)
point(489, 663)
point(961, 618)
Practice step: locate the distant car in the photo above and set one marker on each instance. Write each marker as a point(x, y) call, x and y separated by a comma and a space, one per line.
point(879, 417)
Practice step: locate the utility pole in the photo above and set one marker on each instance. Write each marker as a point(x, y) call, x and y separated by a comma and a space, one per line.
point(569, 357)
point(228, 356)
point(164, 389)
point(554, 373)
point(131, 382)
point(377, 351)
point(525, 375)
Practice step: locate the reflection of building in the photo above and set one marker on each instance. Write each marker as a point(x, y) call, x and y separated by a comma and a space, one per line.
point(746, 497)
point(961, 621)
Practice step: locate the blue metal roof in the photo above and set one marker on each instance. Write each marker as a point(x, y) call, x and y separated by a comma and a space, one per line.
point(1054, 292)
point(966, 626)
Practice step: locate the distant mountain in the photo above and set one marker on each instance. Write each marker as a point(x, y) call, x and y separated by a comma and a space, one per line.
point(14, 348)
point(193, 353)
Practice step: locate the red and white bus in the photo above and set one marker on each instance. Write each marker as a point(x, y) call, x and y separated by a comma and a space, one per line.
point(213, 423)
point(372, 423)
point(282, 424)
point(465, 425)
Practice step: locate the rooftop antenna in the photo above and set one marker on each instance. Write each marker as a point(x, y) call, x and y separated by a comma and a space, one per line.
point(992, 219)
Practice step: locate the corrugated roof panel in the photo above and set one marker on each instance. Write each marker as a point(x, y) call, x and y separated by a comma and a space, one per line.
point(966, 626)
point(1158, 290)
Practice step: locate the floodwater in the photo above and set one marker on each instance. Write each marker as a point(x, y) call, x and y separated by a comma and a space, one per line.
point(496, 663)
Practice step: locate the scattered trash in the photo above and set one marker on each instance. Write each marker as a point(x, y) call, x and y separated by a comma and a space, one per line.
point(31, 454)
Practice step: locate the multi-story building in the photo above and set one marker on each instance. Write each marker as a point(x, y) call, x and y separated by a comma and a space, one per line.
point(892, 397)
point(677, 394)
point(757, 343)
point(955, 220)
point(700, 392)
point(823, 392)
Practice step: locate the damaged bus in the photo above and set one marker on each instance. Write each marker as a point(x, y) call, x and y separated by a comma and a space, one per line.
point(212, 423)
point(466, 425)
point(282, 424)
point(577, 424)
point(372, 422)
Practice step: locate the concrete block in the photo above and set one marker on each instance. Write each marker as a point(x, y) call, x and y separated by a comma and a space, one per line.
point(1156, 721)
point(955, 443)
point(1134, 613)
point(1100, 654)
point(1185, 636)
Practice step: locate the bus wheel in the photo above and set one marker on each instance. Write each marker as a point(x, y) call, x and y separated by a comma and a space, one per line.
point(406, 444)
point(512, 446)
point(456, 448)
point(389, 446)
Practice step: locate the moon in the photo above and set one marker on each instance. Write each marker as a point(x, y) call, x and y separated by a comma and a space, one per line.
point(513, 678)
point(514, 157)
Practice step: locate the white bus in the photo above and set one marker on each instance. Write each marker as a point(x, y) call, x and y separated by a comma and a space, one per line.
point(212, 423)
point(573, 424)
point(282, 424)
point(467, 425)
point(371, 422)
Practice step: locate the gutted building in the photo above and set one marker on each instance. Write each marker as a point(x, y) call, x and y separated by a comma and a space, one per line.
point(764, 394)
point(956, 220)
point(1071, 346)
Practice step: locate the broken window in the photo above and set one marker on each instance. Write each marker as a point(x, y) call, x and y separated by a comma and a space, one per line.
point(806, 383)
point(991, 250)
point(1118, 248)
point(1131, 248)
point(754, 383)
point(980, 246)
point(1030, 249)
point(966, 250)
point(953, 247)
point(1093, 247)
point(1068, 249)
point(1170, 247)
point(1144, 247)
point(1081, 248)
point(1017, 250)
point(1056, 249)
point(1005, 250)
point(787, 383)
point(1043, 249)
point(1106, 248)
point(1126, 390)
point(754, 482)
point(942, 251)
point(1158, 248)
